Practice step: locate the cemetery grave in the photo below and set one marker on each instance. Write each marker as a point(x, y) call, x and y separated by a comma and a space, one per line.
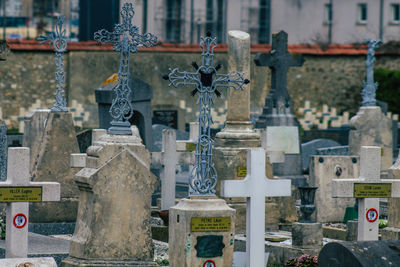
point(258, 173)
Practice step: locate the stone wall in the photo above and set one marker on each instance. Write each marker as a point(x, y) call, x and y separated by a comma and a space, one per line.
point(27, 81)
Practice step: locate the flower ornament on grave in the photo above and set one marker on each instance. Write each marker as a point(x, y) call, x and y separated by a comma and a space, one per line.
point(369, 86)
point(206, 79)
point(126, 39)
point(59, 42)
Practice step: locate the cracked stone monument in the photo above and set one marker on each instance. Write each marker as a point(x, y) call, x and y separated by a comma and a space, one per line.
point(113, 224)
point(201, 227)
point(51, 137)
point(278, 110)
point(370, 126)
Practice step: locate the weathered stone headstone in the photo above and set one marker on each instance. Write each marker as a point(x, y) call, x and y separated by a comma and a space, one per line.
point(201, 227)
point(51, 138)
point(17, 191)
point(368, 188)
point(278, 109)
point(113, 224)
point(255, 187)
point(323, 169)
point(370, 127)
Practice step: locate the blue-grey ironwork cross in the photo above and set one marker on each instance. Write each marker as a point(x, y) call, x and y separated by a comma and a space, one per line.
point(126, 39)
point(369, 86)
point(206, 79)
point(59, 41)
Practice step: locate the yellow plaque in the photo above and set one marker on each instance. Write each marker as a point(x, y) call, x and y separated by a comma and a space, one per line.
point(211, 224)
point(241, 171)
point(190, 146)
point(372, 190)
point(21, 194)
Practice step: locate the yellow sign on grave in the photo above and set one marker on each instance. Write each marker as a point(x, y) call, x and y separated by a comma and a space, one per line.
point(211, 224)
point(190, 146)
point(372, 190)
point(241, 171)
point(21, 194)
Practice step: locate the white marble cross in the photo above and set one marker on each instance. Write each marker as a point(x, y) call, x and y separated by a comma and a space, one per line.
point(173, 152)
point(255, 186)
point(367, 188)
point(17, 191)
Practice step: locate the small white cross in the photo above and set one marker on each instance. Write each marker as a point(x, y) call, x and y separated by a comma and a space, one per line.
point(255, 186)
point(368, 206)
point(18, 179)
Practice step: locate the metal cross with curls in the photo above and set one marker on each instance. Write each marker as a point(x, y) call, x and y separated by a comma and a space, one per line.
point(206, 79)
point(126, 39)
point(59, 41)
point(369, 88)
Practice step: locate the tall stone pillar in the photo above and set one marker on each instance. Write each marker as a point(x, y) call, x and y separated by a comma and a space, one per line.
point(238, 136)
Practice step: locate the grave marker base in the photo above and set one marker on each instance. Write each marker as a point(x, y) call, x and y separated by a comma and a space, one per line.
point(75, 262)
point(187, 238)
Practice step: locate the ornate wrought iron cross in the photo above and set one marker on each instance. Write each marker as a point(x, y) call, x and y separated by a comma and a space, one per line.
point(126, 39)
point(369, 86)
point(203, 176)
point(59, 41)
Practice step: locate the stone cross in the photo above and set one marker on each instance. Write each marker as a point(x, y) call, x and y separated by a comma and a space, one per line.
point(59, 41)
point(17, 191)
point(255, 187)
point(369, 88)
point(173, 152)
point(207, 81)
point(279, 60)
point(126, 39)
point(368, 188)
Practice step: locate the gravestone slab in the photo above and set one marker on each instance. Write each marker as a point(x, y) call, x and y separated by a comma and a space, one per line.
point(360, 254)
point(371, 127)
point(309, 149)
point(323, 169)
point(117, 166)
point(51, 138)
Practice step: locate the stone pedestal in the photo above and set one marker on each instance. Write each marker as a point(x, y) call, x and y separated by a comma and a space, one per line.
point(307, 235)
point(201, 229)
point(113, 224)
point(51, 138)
point(370, 127)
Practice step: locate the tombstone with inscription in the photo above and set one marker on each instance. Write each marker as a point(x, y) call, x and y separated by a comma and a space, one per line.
point(278, 109)
point(368, 188)
point(140, 99)
point(17, 191)
point(201, 227)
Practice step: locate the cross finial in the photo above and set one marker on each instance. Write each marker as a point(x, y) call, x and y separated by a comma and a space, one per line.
point(59, 42)
point(369, 89)
point(280, 42)
point(126, 39)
